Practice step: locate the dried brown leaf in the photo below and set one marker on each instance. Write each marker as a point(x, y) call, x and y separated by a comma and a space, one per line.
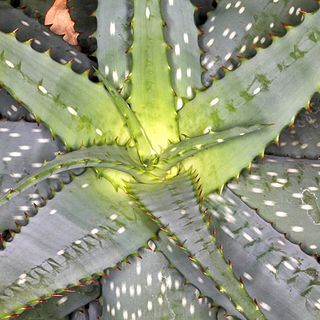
point(58, 17)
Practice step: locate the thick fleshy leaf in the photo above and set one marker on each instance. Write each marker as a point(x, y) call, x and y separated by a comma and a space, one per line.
point(174, 205)
point(184, 54)
point(109, 156)
point(49, 83)
point(24, 147)
point(234, 28)
point(285, 192)
point(152, 98)
point(88, 237)
point(148, 288)
point(114, 39)
point(284, 280)
point(251, 94)
point(190, 147)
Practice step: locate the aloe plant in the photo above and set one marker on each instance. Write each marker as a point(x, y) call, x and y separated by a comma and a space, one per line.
point(130, 186)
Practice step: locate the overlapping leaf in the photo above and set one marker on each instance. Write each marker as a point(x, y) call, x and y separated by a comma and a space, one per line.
point(253, 94)
point(175, 205)
point(89, 218)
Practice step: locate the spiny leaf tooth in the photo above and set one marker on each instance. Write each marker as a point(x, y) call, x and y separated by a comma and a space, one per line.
point(249, 167)
point(191, 258)
point(57, 295)
point(67, 63)
point(18, 225)
point(24, 308)
point(105, 275)
point(208, 219)
point(291, 123)
point(221, 289)
point(14, 32)
point(261, 155)
point(151, 246)
point(239, 308)
point(304, 12)
point(308, 107)
point(241, 282)
point(214, 232)
point(284, 25)
point(11, 316)
point(166, 230)
point(2, 243)
point(26, 214)
point(41, 301)
point(29, 42)
point(200, 296)
point(207, 273)
point(86, 74)
point(69, 290)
